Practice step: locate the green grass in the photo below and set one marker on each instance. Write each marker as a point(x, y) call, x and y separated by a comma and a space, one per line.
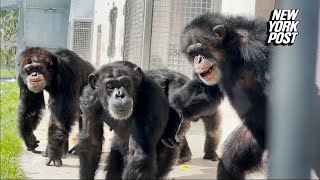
point(10, 142)
point(6, 73)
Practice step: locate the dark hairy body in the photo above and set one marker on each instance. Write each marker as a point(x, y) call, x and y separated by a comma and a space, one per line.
point(189, 101)
point(231, 52)
point(137, 110)
point(63, 75)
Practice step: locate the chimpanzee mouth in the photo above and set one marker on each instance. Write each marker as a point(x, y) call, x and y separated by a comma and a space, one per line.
point(211, 76)
point(35, 80)
point(121, 110)
point(207, 72)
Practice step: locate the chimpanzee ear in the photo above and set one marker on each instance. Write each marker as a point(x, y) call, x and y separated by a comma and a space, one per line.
point(139, 74)
point(219, 31)
point(50, 60)
point(93, 80)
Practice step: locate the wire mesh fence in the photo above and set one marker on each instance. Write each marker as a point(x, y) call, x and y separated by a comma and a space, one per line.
point(133, 28)
point(168, 20)
point(82, 35)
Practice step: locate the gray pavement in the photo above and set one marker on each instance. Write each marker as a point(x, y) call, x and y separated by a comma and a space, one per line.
point(35, 168)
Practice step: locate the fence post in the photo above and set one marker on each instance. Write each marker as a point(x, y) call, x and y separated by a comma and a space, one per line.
point(20, 46)
point(147, 32)
point(292, 96)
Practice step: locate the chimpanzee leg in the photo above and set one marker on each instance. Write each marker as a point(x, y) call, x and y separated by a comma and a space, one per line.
point(213, 136)
point(166, 158)
point(63, 115)
point(114, 165)
point(185, 151)
point(58, 136)
point(242, 153)
point(73, 149)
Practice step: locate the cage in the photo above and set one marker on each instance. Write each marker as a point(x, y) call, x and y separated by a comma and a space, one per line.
point(166, 20)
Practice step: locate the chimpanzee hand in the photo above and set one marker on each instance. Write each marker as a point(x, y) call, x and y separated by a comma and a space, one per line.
point(171, 142)
point(170, 136)
point(32, 143)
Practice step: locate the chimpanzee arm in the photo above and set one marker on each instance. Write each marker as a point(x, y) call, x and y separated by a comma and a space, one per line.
point(195, 97)
point(30, 111)
point(150, 118)
point(90, 147)
point(191, 100)
point(170, 136)
point(90, 138)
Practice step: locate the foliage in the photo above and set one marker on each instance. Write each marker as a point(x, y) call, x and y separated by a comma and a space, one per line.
point(8, 32)
point(10, 143)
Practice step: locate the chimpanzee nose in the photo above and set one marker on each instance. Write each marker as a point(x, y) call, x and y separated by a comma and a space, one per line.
point(198, 59)
point(119, 94)
point(34, 74)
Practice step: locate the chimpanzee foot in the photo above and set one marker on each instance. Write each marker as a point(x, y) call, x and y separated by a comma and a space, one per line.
point(211, 156)
point(45, 154)
point(56, 162)
point(184, 159)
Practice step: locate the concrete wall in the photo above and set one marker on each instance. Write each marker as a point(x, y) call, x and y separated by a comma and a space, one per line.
point(102, 17)
point(82, 9)
point(247, 8)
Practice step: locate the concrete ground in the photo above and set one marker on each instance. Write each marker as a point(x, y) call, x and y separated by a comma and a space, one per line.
point(35, 168)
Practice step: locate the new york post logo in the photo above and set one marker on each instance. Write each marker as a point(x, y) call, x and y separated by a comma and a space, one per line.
point(282, 27)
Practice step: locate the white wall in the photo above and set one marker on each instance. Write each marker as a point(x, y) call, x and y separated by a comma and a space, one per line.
point(101, 16)
point(81, 9)
point(236, 7)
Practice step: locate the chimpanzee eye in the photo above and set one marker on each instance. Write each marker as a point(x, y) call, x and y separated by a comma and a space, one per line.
point(126, 85)
point(109, 86)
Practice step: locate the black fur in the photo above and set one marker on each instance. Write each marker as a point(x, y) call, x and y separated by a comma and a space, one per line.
point(65, 75)
point(189, 101)
point(136, 150)
point(239, 51)
point(195, 101)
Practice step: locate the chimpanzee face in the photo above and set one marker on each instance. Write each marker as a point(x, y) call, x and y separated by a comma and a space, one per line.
point(36, 68)
point(117, 89)
point(203, 49)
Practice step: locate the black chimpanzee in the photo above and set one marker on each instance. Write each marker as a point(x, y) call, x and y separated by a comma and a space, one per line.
point(190, 101)
point(136, 108)
point(231, 52)
point(63, 74)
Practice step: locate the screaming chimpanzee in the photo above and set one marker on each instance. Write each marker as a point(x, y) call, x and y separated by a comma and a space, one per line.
point(136, 108)
point(231, 52)
point(190, 101)
point(63, 74)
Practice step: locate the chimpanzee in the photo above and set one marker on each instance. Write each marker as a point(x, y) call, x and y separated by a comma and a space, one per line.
point(136, 108)
point(190, 101)
point(230, 51)
point(63, 74)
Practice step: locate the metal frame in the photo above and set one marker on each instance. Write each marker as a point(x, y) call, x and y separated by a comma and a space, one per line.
point(147, 33)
